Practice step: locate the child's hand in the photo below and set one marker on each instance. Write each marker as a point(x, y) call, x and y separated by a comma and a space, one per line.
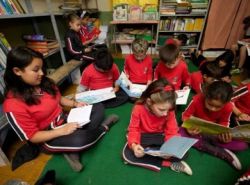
point(80, 104)
point(68, 128)
point(116, 89)
point(244, 117)
point(138, 150)
point(225, 137)
point(193, 131)
point(87, 50)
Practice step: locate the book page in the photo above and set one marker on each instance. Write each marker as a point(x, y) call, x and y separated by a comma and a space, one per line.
point(81, 115)
point(95, 96)
point(182, 96)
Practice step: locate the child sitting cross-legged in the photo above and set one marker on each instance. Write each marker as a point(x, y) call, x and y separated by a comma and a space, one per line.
point(214, 105)
point(103, 73)
point(152, 122)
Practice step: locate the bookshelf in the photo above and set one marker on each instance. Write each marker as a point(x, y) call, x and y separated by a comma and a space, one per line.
point(187, 18)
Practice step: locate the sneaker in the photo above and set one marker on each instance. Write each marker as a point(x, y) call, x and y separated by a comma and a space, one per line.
point(233, 159)
point(181, 167)
point(73, 160)
point(110, 121)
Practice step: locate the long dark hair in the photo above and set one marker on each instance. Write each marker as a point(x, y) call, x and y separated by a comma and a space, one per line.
point(159, 91)
point(21, 57)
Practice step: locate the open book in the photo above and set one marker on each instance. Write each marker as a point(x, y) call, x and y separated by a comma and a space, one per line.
point(241, 132)
point(182, 96)
point(176, 146)
point(81, 115)
point(95, 96)
point(133, 90)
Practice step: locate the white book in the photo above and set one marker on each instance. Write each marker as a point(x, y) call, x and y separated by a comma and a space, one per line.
point(80, 115)
point(133, 90)
point(182, 96)
point(95, 96)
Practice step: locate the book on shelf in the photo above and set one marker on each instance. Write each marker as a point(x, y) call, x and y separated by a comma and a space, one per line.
point(80, 115)
point(9, 7)
point(4, 44)
point(176, 146)
point(133, 90)
point(182, 96)
point(241, 132)
point(135, 13)
point(3, 59)
point(198, 24)
point(95, 96)
point(120, 12)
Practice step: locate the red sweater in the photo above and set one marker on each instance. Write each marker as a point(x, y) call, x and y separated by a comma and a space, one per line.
point(196, 81)
point(26, 120)
point(93, 79)
point(143, 121)
point(243, 98)
point(177, 76)
point(138, 71)
point(197, 108)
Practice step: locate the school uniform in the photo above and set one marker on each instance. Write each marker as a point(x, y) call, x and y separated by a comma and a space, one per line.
point(27, 120)
point(242, 99)
point(177, 76)
point(138, 71)
point(93, 79)
point(196, 81)
point(146, 129)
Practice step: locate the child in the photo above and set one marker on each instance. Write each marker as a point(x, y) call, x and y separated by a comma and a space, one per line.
point(101, 74)
point(207, 74)
point(215, 106)
point(152, 122)
point(138, 66)
point(181, 40)
point(73, 42)
point(33, 107)
point(172, 67)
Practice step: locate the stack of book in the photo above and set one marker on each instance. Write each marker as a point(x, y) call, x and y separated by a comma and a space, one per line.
point(40, 44)
point(9, 7)
point(183, 8)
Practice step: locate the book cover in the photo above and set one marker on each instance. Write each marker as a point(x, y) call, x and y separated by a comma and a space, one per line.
point(198, 24)
point(241, 132)
point(80, 115)
point(5, 42)
point(176, 146)
point(95, 96)
point(133, 90)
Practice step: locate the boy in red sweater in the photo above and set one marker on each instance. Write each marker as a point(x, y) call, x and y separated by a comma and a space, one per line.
point(138, 66)
point(172, 67)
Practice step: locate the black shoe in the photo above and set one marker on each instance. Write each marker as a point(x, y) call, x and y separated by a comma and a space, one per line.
point(110, 121)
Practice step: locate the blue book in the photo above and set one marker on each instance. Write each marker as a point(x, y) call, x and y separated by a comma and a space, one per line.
point(176, 146)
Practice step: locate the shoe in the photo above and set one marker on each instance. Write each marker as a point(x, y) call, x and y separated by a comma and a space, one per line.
point(181, 167)
point(73, 160)
point(233, 159)
point(110, 121)
point(236, 71)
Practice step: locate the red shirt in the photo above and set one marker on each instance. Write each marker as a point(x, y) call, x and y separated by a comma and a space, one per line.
point(196, 80)
point(143, 121)
point(177, 76)
point(138, 71)
point(93, 79)
point(84, 34)
point(171, 41)
point(26, 120)
point(197, 108)
point(243, 98)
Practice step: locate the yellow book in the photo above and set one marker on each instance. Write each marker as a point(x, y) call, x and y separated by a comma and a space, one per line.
point(198, 24)
point(189, 24)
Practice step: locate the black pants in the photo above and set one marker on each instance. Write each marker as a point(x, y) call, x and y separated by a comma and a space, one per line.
point(147, 161)
point(81, 138)
point(121, 98)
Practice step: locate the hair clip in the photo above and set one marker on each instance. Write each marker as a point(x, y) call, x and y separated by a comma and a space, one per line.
point(168, 88)
point(83, 13)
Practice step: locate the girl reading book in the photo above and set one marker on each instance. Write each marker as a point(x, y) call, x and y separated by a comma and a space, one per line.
point(153, 122)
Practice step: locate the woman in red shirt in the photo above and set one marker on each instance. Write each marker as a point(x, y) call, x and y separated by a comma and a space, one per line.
point(153, 122)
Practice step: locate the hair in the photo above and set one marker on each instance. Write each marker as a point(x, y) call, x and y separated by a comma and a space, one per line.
point(169, 53)
point(211, 69)
point(21, 57)
point(183, 38)
point(72, 17)
point(227, 57)
point(156, 92)
point(219, 90)
point(246, 22)
point(82, 13)
point(103, 59)
point(139, 46)
point(94, 15)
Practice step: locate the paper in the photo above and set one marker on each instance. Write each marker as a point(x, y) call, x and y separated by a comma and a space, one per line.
point(102, 36)
point(133, 90)
point(81, 115)
point(241, 132)
point(176, 146)
point(95, 96)
point(182, 96)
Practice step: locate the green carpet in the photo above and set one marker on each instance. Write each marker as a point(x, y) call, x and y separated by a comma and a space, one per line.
point(104, 165)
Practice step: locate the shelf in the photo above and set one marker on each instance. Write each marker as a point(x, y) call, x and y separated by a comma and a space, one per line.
point(20, 16)
point(182, 15)
point(136, 22)
point(129, 41)
point(51, 52)
point(173, 31)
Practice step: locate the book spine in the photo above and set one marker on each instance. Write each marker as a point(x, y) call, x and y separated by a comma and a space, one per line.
point(5, 42)
point(15, 10)
point(7, 7)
